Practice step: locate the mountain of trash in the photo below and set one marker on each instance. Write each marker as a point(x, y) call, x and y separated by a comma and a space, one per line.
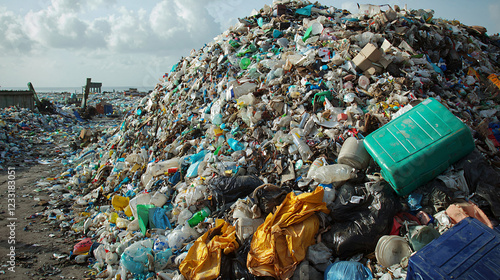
point(261, 154)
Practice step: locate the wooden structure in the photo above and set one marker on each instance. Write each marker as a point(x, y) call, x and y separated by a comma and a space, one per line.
point(20, 98)
point(93, 87)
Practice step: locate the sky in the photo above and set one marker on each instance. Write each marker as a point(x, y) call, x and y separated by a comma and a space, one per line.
point(59, 43)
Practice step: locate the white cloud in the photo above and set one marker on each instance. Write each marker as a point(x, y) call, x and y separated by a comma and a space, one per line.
point(494, 10)
point(11, 30)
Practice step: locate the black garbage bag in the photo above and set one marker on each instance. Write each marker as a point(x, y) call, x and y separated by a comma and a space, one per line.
point(269, 196)
point(229, 189)
point(358, 226)
point(350, 203)
point(234, 265)
point(482, 178)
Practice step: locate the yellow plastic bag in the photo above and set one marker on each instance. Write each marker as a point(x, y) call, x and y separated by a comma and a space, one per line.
point(119, 202)
point(204, 257)
point(281, 242)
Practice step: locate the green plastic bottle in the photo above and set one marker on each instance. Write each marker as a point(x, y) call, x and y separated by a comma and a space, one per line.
point(199, 216)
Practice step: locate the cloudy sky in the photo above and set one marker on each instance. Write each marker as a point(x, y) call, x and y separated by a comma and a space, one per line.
point(59, 43)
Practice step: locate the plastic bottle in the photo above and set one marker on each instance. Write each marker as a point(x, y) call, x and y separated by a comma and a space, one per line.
point(309, 126)
point(184, 215)
point(304, 150)
point(161, 167)
point(315, 165)
point(353, 153)
point(235, 144)
point(333, 173)
point(245, 62)
point(199, 216)
point(304, 120)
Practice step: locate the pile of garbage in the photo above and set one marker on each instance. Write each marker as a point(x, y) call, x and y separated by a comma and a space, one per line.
point(249, 160)
point(25, 136)
point(120, 103)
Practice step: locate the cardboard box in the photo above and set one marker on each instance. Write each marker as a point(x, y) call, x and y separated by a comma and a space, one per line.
point(371, 52)
point(362, 62)
point(85, 133)
point(372, 70)
point(383, 62)
point(283, 25)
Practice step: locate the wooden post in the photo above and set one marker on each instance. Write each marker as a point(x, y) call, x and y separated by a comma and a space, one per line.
point(86, 94)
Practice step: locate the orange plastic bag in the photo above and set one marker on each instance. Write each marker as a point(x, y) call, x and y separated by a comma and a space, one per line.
point(204, 257)
point(82, 247)
point(460, 211)
point(281, 242)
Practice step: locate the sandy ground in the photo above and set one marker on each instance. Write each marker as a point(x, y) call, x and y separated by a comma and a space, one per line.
point(41, 249)
point(37, 241)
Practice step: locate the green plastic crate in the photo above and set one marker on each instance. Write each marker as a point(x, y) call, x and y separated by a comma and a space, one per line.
point(419, 145)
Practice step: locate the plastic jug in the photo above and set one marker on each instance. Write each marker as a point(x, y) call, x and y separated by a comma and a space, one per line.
point(353, 153)
point(143, 198)
point(119, 202)
point(199, 216)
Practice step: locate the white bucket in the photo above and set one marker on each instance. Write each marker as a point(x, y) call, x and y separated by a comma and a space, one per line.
point(353, 153)
point(391, 249)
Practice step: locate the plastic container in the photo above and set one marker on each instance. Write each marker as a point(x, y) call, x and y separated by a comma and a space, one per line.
point(353, 153)
point(161, 167)
point(421, 236)
point(82, 247)
point(333, 173)
point(419, 145)
point(391, 249)
point(235, 144)
point(469, 250)
point(158, 199)
point(142, 198)
point(198, 217)
point(119, 202)
point(304, 150)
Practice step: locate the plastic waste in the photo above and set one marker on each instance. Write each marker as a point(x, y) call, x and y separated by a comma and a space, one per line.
point(391, 249)
point(235, 144)
point(199, 216)
point(296, 214)
point(347, 270)
point(353, 153)
point(328, 174)
point(419, 236)
point(304, 150)
point(119, 202)
point(135, 257)
point(82, 247)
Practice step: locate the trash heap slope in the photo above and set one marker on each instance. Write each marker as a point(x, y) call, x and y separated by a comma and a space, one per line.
point(255, 122)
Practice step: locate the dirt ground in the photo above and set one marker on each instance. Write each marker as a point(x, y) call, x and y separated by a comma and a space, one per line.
point(38, 242)
point(41, 249)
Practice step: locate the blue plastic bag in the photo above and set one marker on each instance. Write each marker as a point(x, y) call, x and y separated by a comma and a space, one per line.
point(306, 11)
point(193, 170)
point(158, 218)
point(348, 270)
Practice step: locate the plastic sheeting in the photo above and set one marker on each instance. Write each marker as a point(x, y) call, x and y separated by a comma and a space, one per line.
point(203, 260)
point(281, 242)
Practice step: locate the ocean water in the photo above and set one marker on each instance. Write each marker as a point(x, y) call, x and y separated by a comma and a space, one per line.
point(79, 89)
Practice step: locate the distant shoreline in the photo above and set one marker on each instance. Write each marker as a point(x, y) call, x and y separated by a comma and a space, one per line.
point(77, 89)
